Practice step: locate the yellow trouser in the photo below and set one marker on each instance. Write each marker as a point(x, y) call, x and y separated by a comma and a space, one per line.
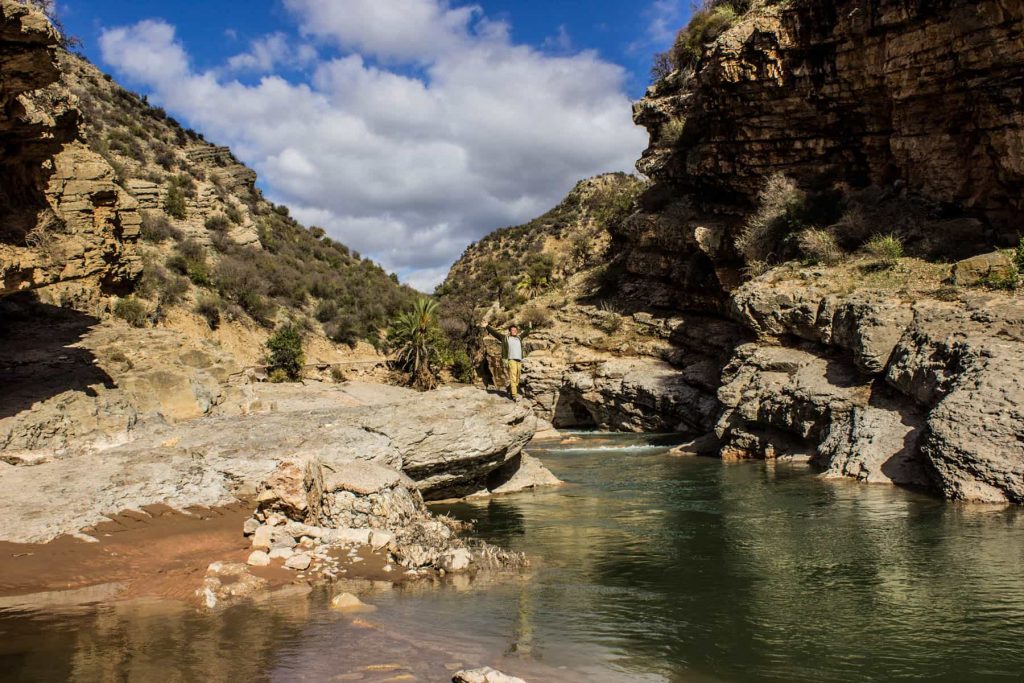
point(515, 371)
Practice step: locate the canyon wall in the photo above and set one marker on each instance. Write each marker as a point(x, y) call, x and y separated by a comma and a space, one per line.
point(887, 117)
point(874, 373)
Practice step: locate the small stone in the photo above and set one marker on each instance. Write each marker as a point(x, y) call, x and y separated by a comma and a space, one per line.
point(456, 560)
point(262, 538)
point(380, 539)
point(300, 561)
point(346, 602)
point(281, 553)
point(250, 526)
point(258, 558)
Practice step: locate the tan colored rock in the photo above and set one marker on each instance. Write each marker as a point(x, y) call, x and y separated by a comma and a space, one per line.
point(996, 265)
point(346, 602)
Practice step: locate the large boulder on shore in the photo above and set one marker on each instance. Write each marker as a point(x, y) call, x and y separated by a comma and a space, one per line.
point(448, 442)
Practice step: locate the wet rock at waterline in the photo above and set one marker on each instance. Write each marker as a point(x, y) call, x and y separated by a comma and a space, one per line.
point(484, 675)
point(226, 582)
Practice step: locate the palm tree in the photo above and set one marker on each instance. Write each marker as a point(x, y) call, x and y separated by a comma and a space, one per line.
point(415, 336)
point(530, 286)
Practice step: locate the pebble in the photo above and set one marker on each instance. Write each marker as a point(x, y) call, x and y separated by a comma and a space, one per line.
point(258, 558)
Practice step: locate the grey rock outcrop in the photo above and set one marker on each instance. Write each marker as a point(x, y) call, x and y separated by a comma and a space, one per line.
point(448, 442)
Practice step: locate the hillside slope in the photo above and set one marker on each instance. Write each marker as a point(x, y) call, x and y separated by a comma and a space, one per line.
point(211, 244)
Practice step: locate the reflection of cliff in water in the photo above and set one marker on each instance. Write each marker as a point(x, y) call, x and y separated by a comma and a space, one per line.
point(690, 567)
point(150, 641)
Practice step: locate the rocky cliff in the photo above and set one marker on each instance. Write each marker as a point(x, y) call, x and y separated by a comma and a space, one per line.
point(784, 288)
point(63, 219)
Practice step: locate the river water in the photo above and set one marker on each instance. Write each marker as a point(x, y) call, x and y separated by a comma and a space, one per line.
point(648, 567)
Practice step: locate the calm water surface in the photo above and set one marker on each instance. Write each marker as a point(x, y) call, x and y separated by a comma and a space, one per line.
point(649, 568)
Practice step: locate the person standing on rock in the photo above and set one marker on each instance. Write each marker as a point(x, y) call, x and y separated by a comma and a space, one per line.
point(511, 353)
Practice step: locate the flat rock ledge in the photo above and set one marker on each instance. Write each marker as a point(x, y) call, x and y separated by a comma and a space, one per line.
point(443, 444)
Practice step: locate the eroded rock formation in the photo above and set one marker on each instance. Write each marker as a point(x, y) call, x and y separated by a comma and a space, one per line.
point(63, 219)
point(448, 442)
point(913, 105)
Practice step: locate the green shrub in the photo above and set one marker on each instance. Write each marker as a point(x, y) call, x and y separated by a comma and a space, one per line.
point(344, 329)
point(218, 223)
point(234, 214)
point(209, 307)
point(705, 26)
point(190, 261)
point(132, 311)
point(284, 352)
point(462, 367)
point(887, 249)
point(240, 282)
point(672, 130)
point(174, 203)
point(819, 246)
point(156, 228)
point(416, 339)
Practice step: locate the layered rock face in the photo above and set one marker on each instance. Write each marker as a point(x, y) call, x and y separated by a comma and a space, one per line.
point(861, 92)
point(64, 220)
point(884, 378)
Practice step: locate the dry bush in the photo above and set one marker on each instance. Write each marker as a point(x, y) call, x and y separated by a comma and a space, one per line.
point(780, 204)
point(132, 311)
point(819, 246)
point(535, 316)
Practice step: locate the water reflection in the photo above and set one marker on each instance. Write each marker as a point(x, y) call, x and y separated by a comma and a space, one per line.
point(684, 567)
point(649, 568)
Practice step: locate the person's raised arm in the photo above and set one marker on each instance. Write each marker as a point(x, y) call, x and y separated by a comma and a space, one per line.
point(491, 331)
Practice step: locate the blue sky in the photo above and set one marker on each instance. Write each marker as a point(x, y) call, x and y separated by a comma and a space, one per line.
point(406, 128)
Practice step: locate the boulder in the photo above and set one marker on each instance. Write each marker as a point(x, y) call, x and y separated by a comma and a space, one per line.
point(258, 558)
point(435, 444)
point(346, 602)
point(522, 473)
point(227, 582)
point(996, 265)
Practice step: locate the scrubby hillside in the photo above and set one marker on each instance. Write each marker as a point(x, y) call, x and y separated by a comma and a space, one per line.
point(214, 251)
point(514, 265)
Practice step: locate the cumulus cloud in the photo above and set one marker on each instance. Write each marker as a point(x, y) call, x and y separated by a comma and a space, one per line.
point(423, 129)
point(269, 52)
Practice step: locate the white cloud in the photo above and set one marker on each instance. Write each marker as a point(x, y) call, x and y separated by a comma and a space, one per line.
point(269, 52)
point(461, 133)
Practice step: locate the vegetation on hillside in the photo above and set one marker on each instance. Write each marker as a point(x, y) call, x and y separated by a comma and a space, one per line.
point(285, 356)
point(417, 342)
point(514, 265)
point(201, 227)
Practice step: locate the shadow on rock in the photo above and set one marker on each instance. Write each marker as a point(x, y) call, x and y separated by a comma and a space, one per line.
point(38, 356)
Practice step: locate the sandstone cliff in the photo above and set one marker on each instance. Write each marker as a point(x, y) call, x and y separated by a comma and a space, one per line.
point(63, 219)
